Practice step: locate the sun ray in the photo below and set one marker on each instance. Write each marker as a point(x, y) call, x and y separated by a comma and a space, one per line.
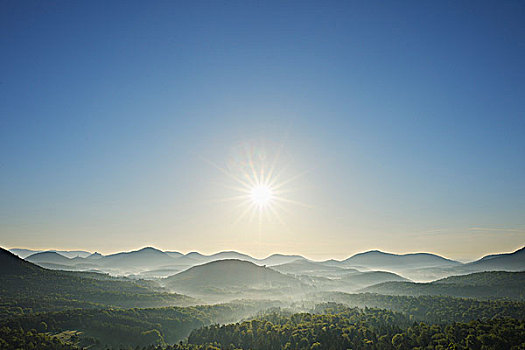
point(278, 216)
point(292, 179)
point(274, 163)
point(255, 179)
point(247, 210)
point(227, 173)
point(286, 200)
point(230, 199)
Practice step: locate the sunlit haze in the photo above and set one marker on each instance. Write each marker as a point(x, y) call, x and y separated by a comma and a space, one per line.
point(322, 129)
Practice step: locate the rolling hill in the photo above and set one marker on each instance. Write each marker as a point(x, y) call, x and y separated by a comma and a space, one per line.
point(349, 281)
point(376, 259)
point(279, 259)
point(94, 256)
point(145, 257)
point(50, 258)
point(495, 284)
point(307, 267)
point(153, 263)
point(23, 253)
point(514, 261)
point(369, 278)
point(231, 255)
point(23, 283)
point(230, 277)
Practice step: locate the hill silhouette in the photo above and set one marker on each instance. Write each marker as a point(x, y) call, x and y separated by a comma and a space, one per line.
point(49, 257)
point(153, 263)
point(24, 253)
point(378, 259)
point(514, 261)
point(139, 259)
point(303, 266)
point(368, 278)
point(278, 259)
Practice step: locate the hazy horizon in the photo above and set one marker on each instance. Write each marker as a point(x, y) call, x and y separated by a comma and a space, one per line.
point(260, 257)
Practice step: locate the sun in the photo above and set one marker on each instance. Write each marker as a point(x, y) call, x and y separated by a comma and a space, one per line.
point(261, 185)
point(261, 195)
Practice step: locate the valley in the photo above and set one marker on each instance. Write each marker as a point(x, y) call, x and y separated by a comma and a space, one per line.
point(177, 309)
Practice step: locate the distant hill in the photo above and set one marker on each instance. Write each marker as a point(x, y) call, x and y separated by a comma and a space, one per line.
point(48, 257)
point(369, 278)
point(231, 255)
point(200, 258)
point(351, 281)
point(145, 257)
point(279, 259)
point(153, 263)
point(513, 262)
point(95, 255)
point(159, 273)
point(174, 254)
point(72, 253)
point(376, 259)
point(196, 256)
point(495, 284)
point(24, 253)
point(187, 261)
point(229, 276)
point(510, 262)
point(307, 267)
point(275, 259)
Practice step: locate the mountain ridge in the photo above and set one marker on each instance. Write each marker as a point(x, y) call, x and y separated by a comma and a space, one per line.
point(144, 261)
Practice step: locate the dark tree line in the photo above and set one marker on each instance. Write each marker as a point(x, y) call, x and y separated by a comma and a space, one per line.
point(354, 329)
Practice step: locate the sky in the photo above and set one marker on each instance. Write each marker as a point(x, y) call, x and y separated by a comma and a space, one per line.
point(396, 126)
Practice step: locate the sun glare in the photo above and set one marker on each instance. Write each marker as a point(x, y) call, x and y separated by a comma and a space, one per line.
point(260, 184)
point(261, 195)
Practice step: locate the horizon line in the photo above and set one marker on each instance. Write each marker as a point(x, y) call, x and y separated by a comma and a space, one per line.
point(263, 258)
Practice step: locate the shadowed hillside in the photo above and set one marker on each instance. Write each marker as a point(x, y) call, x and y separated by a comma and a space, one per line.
point(23, 284)
point(10, 264)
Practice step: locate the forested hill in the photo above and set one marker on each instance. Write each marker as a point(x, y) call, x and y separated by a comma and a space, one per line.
point(489, 279)
point(495, 284)
point(10, 264)
point(127, 328)
point(231, 277)
point(24, 286)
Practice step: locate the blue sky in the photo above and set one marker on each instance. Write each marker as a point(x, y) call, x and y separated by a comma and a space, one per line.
point(406, 119)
